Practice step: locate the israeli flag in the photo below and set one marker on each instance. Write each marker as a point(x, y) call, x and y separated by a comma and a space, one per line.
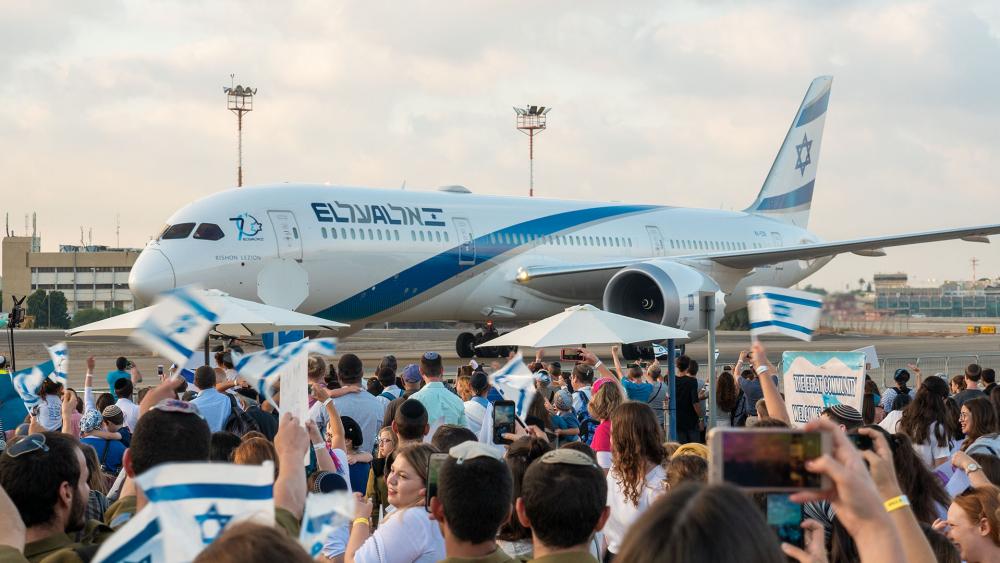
point(198, 500)
point(177, 324)
point(775, 310)
point(60, 362)
point(324, 513)
point(143, 539)
point(263, 369)
point(27, 382)
point(516, 383)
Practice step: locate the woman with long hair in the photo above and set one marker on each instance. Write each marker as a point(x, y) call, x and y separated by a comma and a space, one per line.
point(637, 477)
point(515, 539)
point(727, 399)
point(606, 399)
point(925, 421)
point(927, 495)
point(979, 423)
point(377, 490)
point(407, 534)
point(974, 524)
point(951, 407)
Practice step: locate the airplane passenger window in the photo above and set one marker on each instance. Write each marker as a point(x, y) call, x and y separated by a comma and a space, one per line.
point(352, 234)
point(361, 233)
point(421, 236)
point(371, 235)
point(333, 232)
point(343, 233)
point(437, 235)
point(413, 235)
point(178, 231)
point(379, 235)
point(323, 230)
point(493, 238)
point(446, 236)
point(208, 231)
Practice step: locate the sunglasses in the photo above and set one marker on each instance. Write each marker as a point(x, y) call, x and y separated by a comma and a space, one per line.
point(31, 443)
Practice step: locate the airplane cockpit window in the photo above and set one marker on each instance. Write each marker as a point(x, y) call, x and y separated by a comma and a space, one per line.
point(178, 231)
point(208, 231)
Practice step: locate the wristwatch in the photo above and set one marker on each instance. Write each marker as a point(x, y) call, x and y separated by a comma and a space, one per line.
point(972, 468)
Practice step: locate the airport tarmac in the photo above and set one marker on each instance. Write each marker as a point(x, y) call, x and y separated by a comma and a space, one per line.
point(408, 344)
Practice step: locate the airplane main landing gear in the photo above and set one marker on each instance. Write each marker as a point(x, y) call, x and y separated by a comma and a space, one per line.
point(465, 344)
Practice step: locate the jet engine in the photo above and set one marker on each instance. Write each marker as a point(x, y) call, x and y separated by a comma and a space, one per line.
point(663, 292)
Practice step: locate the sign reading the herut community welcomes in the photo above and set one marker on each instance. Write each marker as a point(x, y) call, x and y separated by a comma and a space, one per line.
point(817, 380)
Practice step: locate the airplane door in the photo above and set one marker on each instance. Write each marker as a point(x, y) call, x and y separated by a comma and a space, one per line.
point(776, 239)
point(656, 240)
point(286, 234)
point(467, 242)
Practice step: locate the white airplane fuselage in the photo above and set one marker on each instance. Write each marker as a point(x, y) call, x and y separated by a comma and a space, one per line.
point(371, 255)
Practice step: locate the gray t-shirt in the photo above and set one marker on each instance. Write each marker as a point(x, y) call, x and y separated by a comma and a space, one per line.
point(363, 407)
point(962, 396)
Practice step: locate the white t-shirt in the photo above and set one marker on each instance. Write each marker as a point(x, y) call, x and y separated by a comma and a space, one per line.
point(408, 535)
point(927, 451)
point(50, 413)
point(623, 513)
point(474, 413)
point(131, 412)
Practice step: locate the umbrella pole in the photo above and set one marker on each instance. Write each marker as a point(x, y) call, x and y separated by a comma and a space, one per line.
point(206, 350)
point(672, 389)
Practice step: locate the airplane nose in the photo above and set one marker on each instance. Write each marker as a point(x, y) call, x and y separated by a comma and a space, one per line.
point(151, 275)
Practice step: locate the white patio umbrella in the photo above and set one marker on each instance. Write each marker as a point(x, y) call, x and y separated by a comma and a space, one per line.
point(237, 317)
point(585, 324)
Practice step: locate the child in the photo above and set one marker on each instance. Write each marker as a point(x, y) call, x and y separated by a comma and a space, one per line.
point(567, 427)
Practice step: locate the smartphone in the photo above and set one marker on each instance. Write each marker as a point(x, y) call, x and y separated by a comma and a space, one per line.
point(129, 365)
point(785, 518)
point(861, 441)
point(433, 475)
point(570, 355)
point(159, 369)
point(503, 421)
point(767, 459)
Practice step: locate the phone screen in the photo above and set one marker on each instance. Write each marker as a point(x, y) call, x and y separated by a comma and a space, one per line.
point(785, 518)
point(571, 355)
point(433, 475)
point(770, 460)
point(503, 421)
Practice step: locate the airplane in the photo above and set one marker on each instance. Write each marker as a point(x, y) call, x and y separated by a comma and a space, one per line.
point(362, 255)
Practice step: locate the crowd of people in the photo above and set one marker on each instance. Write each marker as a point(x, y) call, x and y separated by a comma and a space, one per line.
point(588, 475)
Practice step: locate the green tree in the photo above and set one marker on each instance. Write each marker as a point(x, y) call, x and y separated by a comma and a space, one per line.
point(49, 309)
point(736, 320)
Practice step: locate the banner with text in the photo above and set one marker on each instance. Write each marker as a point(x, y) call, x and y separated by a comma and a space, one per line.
point(817, 380)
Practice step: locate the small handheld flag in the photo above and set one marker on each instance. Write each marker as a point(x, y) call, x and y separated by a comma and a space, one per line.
point(27, 382)
point(177, 324)
point(323, 514)
point(262, 369)
point(516, 383)
point(60, 362)
point(776, 310)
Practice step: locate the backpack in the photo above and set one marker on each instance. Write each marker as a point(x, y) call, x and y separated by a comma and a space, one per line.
point(239, 422)
point(587, 423)
point(902, 399)
point(738, 416)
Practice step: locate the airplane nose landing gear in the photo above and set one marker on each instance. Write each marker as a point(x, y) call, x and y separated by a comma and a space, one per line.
point(465, 344)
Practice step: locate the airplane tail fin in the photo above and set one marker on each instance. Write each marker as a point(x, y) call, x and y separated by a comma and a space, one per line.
point(787, 192)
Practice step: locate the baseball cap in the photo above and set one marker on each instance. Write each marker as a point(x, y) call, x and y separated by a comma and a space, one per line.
point(90, 421)
point(471, 450)
point(411, 373)
point(543, 377)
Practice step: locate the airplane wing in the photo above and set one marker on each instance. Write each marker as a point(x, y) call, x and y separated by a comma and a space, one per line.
point(746, 259)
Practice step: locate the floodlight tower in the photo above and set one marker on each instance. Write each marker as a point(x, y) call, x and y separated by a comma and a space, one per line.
point(531, 121)
point(240, 101)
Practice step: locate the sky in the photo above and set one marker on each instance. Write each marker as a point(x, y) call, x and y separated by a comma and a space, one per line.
point(112, 109)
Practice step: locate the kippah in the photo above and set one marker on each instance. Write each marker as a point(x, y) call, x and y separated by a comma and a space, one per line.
point(111, 411)
point(412, 408)
point(566, 456)
point(847, 412)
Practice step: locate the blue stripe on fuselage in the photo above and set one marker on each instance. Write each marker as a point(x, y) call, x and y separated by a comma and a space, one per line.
point(814, 110)
point(437, 269)
point(794, 198)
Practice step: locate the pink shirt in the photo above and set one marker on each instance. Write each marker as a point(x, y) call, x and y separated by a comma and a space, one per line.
point(602, 437)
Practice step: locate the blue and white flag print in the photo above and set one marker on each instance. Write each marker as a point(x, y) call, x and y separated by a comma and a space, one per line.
point(60, 362)
point(27, 382)
point(198, 500)
point(324, 513)
point(516, 383)
point(263, 369)
point(776, 310)
point(177, 324)
point(143, 539)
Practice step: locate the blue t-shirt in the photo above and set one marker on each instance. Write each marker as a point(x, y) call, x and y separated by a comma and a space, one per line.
point(112, 461)
point(566, 422)
point(126, 436)
point(637, 391)
point(114, 376)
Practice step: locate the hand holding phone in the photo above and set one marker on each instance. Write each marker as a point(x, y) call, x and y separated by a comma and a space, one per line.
point(433, 477)
point(785, 518)
point(503, 421)
point(570, 355)
point(767, 459)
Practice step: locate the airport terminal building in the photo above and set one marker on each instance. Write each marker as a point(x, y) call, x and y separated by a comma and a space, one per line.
point(89, 276)
point(951, 299)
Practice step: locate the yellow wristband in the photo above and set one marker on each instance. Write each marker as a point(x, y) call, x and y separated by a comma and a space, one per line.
point(360, 521)
point(896, 503)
